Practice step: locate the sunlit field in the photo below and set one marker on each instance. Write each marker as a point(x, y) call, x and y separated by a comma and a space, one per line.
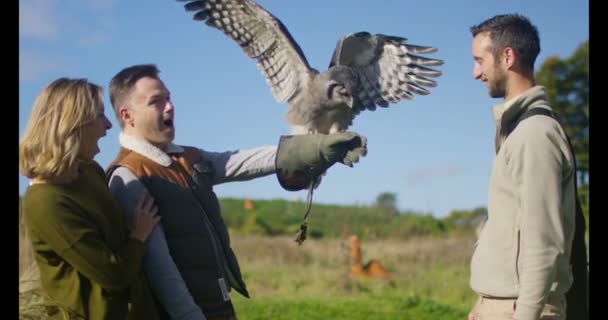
point(428, 279)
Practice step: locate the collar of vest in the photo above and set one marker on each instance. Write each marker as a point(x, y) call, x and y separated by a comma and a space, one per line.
point(148, 150)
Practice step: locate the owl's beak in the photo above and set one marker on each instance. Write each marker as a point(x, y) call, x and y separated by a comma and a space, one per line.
point(347, 97)
point(350, 101)
point(338, 92)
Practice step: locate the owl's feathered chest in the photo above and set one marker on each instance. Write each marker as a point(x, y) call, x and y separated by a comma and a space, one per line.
point(316, 109)
point(319, 117)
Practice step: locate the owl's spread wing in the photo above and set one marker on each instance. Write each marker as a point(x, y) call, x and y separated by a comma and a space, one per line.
point(389, 69)
point(262, 37)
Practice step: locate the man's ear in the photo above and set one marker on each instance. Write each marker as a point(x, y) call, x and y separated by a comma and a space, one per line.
point(126, 116)
point(509, 57)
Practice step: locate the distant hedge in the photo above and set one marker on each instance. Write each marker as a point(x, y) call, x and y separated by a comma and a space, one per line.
point(282, 217)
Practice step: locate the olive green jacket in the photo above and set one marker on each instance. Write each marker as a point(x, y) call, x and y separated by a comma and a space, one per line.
point(89, 267)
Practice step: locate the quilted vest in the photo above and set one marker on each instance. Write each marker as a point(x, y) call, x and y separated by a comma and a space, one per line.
point(196, 234)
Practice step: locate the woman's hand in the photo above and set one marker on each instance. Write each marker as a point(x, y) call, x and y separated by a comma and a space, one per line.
point(145, 217)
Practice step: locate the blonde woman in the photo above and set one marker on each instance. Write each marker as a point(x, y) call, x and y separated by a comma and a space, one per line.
point(88, 255)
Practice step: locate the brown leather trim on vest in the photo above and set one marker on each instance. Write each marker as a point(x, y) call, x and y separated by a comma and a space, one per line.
point(133, 161)
point(187, 195)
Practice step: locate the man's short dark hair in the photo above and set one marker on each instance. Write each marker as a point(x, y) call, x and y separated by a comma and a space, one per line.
point(123, 82)
point(514, 31)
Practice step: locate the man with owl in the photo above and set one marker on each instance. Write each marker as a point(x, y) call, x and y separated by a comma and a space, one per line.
point(189, 261)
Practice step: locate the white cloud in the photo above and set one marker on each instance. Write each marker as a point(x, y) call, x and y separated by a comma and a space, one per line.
point(37, 19)
point(42, 20)
point(96, 39)
point(32, 66)
point(427, 174)
point(97, 27)
point(100, 4)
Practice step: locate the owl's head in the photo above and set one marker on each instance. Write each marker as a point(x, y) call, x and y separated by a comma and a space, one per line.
point(341, 84)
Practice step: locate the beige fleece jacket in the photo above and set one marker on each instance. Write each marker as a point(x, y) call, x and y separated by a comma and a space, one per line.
point(524, 249)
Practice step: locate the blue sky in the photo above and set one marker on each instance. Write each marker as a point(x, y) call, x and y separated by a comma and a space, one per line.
point(434, 152)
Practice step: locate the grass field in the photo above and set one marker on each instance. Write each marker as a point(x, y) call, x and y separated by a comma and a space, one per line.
point(428, 280)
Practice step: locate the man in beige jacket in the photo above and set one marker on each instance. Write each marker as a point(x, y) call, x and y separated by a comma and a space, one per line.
point(520, 267)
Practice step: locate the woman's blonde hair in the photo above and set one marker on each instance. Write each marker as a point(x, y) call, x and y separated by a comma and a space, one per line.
point(52, 140)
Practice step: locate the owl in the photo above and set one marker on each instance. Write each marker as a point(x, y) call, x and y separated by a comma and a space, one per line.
point(365, 71)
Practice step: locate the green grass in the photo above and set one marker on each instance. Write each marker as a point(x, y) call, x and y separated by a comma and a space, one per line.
point(367, 306)
point(428, 279)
